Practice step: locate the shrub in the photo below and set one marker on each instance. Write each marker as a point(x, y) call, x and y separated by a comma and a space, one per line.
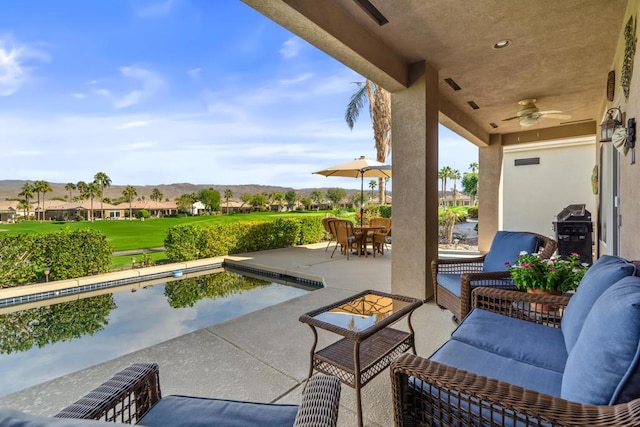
point(17, 263)
point(68, 254)
point(143, 213)
point(472, 212)
point(385, 211)
point(188, 242)
point(182, 242)
point(311, 231)
point(74, 253)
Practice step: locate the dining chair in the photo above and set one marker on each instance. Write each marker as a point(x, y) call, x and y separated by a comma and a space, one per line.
point(346, 237)
point(327, 229)
point(377, 237)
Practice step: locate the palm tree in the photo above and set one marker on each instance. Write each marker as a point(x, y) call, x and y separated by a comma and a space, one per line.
point(443, 174)
point(455, 176)
point(81, 186)
point(70, 186)
point(27, 191)
point(372, 186)
point(103, 181)
point(25, 205)
point(129, 193)
point(474, 167)
point(156, 195)
point(91, 191)
point(228, 194)
point(380, 111)
point(41, 187)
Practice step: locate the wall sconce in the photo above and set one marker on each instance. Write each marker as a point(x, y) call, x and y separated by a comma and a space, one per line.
point(609, 125)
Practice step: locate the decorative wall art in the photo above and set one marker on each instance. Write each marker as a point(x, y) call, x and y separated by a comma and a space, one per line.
point(611, 85)
point(629, 52)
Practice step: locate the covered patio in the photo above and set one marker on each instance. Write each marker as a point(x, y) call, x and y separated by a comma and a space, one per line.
point(467, 66)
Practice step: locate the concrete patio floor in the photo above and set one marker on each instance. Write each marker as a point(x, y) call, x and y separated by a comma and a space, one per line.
point(262, 356)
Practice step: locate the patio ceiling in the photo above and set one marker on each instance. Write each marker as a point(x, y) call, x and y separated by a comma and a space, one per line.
point(560, 52)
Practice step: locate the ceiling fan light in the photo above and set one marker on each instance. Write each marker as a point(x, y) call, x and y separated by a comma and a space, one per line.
point(528, 121)
point(501, 44)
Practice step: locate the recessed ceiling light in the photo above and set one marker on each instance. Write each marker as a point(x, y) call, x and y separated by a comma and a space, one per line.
point(501, 44)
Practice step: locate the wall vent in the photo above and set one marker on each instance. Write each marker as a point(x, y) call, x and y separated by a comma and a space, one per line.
point(452, 83)
point(473, 105)
point(526, 162)
point(372, 11)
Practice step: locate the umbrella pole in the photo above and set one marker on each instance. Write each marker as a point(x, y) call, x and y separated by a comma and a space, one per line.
point(361, 199)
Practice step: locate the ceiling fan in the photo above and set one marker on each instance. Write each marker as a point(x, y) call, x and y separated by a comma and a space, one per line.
point(529, 113)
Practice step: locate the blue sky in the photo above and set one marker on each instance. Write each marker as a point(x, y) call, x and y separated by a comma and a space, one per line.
point(165, 91)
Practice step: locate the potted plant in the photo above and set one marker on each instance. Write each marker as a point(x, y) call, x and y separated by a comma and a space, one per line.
point(553, 275)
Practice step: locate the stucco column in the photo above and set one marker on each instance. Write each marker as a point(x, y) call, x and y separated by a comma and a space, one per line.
point(490, 174)
point(415, 183)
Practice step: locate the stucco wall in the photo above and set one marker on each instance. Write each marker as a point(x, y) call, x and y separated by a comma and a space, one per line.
point(629, 175)
point(533, 194)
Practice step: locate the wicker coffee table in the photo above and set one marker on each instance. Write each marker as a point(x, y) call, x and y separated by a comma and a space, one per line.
point(369, 344)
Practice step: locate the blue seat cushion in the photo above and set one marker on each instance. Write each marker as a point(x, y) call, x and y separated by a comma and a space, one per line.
point(506, 248)
point(176, 411)
point(602, 368)
point(450, 282)
point(606, 271)
point(517, 339)
point(469, 358)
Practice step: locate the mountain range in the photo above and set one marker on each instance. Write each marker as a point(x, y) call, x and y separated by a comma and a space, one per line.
point(9, 189)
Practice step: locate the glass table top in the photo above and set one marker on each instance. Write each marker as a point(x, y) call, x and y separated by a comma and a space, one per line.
point(360, 313)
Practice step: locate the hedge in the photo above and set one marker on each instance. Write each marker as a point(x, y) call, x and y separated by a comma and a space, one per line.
point(67, 253)
point(188, 242)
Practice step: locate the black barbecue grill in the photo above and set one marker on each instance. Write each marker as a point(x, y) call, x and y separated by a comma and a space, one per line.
point(574, 232)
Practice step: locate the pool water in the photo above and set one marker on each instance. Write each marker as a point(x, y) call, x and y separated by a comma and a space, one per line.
point(43, 343)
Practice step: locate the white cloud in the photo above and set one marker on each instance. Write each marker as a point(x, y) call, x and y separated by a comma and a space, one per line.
point(14, 68)
point(291, 47)
point(78, 95)
point(135, 124)
point(156, 9)
point(195, 73)
point(138, 146)
point(150, 82)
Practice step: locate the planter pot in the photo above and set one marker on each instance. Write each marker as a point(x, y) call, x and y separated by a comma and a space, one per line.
point(540, 307)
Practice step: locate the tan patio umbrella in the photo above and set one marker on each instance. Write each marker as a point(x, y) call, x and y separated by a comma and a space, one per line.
point(359, 168)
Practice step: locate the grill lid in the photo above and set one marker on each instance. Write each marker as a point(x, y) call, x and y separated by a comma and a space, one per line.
point(574, 213)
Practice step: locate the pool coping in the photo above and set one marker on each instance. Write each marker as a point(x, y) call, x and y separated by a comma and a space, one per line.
point(19, 295)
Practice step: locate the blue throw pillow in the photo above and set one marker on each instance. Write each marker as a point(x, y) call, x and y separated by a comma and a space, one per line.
point(602, 368)
point(606, 271)
point(506, 247)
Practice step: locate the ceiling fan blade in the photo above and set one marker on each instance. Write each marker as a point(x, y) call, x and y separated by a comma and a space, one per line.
point(556, 116)
point(550, 112)
point(511, 118)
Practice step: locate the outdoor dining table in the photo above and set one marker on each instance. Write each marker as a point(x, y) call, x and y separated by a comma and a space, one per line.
point(365, 230)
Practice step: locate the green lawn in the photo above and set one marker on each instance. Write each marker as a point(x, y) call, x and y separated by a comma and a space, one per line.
point(136, 234)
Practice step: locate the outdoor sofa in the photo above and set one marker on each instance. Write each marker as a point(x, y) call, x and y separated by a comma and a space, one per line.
point(454, 279)
point(572, 362)
point(133, 396)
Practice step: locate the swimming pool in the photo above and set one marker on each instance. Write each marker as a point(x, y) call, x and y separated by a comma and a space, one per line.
point(48, 341)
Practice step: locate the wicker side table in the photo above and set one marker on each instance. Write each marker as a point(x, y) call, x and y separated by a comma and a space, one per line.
point(369, 344)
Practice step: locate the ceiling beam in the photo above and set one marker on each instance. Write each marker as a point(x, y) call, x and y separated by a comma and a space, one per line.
point(545, 134)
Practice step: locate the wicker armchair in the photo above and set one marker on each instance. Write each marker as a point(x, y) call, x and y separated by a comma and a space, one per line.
point(426, 392)
point(134, 393)
point(470, 274)
point(346, 237)
point(328, 230)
